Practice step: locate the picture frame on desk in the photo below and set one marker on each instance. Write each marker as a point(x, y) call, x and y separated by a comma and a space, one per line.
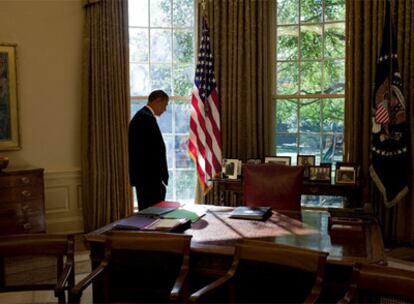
point(320, 174)
point(305, 161)
point(281, 160)
point(254, 161)
point(346, 175)
point(348, 166)
point(231, 168)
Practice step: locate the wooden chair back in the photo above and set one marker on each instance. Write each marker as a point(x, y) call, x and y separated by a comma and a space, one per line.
point(376, 283)
point(256, 252)
point(274, 185)
point(122, 281)
point(58, 247)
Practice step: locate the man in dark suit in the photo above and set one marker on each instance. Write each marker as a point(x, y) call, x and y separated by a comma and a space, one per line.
point(148, 168)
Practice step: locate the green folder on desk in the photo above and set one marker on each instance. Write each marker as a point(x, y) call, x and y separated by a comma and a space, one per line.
point(191, 212)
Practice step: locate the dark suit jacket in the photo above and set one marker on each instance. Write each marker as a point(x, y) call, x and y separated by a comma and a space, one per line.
point(147, 155)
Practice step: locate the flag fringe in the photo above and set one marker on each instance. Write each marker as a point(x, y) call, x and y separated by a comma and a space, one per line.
point(381, 188)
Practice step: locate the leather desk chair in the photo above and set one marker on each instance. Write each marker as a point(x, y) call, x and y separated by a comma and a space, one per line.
point(50, 251)
point(268, 273)
point(274, 185)
point(140, 267)
point(380, 284)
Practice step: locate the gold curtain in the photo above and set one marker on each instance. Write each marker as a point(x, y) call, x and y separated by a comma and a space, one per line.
point(106, 194)
point(241, 35)
point(365, 20)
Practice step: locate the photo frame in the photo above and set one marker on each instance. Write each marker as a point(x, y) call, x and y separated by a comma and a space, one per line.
point(281, 160)
point(320, 173)
point(345, 176)
point(254, 161)
point(348, 166)
point(231, 168)
point(306, 161)
point(9, 123)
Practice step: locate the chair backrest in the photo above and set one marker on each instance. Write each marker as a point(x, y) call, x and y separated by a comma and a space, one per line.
point(46, 262)
point(158, 271)
point(274, 185)
point(298, 274)
point(376, 283)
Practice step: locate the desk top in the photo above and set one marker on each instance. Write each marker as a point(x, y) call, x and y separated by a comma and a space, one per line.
point(217, 233)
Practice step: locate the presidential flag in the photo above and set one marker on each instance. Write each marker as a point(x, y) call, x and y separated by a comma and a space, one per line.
point(389, 148)
point(205, 135)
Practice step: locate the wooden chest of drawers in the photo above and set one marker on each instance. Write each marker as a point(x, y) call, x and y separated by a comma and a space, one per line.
point(22, 204)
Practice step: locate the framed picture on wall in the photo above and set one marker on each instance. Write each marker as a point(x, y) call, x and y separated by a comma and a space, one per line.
point(281, 160)
point(9, 123)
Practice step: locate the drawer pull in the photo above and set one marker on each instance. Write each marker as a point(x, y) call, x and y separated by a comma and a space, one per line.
point(27, 226)
point(26, 193)
point(25, 180)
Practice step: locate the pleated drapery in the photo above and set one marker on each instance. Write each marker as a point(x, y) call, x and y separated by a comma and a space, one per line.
point(365, 21)
point(241, 35)
point(106, 193)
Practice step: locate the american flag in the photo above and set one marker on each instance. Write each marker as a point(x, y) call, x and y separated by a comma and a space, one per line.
point(205, 135)
point(381, 114)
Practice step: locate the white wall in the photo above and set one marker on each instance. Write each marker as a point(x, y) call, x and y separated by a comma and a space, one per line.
point(48, 35)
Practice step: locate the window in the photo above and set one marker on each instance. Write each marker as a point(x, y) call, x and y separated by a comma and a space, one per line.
point(310, 78)
point(162, 35)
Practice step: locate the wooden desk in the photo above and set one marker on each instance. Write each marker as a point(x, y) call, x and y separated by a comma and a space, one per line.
point(215, 235)
point(352, 192)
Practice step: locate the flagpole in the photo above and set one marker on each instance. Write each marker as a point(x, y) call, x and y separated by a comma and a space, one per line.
point(391, 53)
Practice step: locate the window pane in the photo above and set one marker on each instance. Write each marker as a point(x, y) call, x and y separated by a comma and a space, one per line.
point(182, 116)
point(160, 13)
point(311, 41)
point(287, 42)
point(335, 40)
point(287, 78)
point(139, 79)
point(185, 183)
point(287, 115)
point(136, 105)
point(183, 13)
point(169, 145)
point(287, 11)
point(334, 10)
point(138, 12)
point(286, 144)
point(310, 115)
point(138, 45)
point(183, 80)
point(311, 73)
point(160, 46)
point(333, 115)
point(165, 120)
point(334, 76)
point(170, 189)
point(310, 144)
point(161, 77)
point(183, 46)
point(311, 11)
point(182, 159)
